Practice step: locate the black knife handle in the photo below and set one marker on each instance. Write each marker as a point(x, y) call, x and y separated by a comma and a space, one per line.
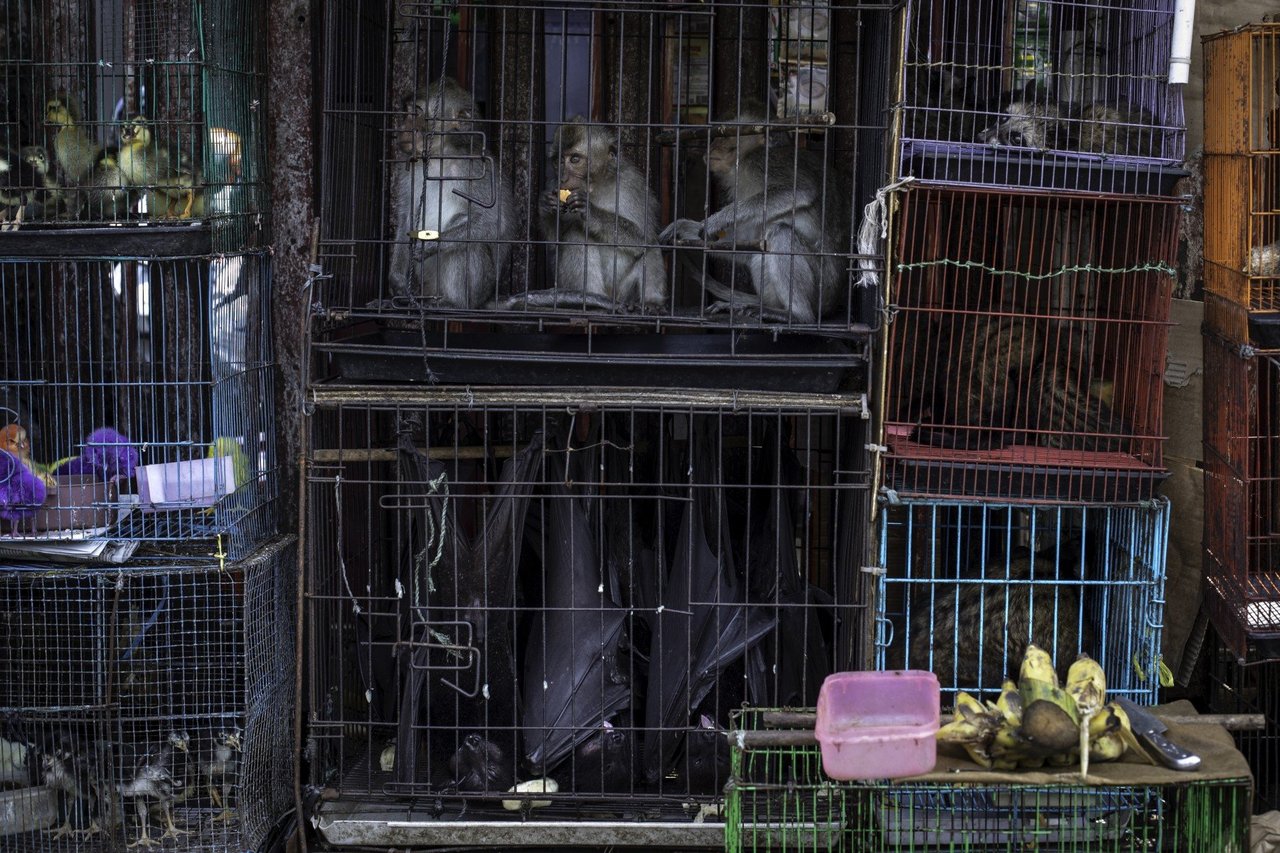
point(1170, 754)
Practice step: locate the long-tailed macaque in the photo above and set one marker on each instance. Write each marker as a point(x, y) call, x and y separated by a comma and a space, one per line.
point(453, 213)
point(603, 219)
point(776, 197)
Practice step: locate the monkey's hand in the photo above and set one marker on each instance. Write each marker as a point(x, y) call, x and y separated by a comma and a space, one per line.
point(576, 203)
point(549, 202)
point(681, 229)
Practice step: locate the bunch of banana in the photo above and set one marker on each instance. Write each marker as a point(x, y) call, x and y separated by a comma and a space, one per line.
point(1037, 721)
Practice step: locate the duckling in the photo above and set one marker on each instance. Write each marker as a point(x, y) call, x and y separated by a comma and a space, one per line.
point(18, 181)
point(109, 198)
point(159, 170)
point(47, 200)
point(73, 149)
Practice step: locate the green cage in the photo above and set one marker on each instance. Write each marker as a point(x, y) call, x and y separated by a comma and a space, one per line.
point(124, 114)
point(778, 798)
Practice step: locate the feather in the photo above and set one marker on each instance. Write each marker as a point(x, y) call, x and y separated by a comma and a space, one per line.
point(106, 454)
point(21, 489)
point(224, 446)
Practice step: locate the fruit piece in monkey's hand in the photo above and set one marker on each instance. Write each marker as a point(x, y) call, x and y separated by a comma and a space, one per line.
point(564, 195)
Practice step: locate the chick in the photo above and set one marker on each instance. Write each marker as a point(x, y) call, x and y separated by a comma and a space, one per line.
point(109, 196)
point(14, 439)
point(74, 150)
point(221, 764)
point(169, 183)
point(18, 182)
point(152, 784)
point(47, 199)
point(68, 767)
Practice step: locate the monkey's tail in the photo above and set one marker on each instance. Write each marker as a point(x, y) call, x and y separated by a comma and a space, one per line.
point(563, 299)
point(736, 300)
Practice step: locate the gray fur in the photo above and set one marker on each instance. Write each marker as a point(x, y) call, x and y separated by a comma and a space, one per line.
point(775, 194)
point(446, 159)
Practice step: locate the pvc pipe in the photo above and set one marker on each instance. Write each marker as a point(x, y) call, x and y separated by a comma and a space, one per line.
point(1184, 14)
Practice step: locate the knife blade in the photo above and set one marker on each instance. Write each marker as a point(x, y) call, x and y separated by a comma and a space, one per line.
point(1150, 729)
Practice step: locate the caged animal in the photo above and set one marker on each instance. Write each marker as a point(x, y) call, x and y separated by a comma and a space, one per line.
point(454, 213)
point(775, 196)
point(603, 219)
point(951, 620)
point(171, 184)
point(996, 381)
point(1035, 119)
point(73, 149)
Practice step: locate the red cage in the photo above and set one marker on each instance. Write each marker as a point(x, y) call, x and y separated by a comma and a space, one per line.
point(1027, 344)
point(1242, 497)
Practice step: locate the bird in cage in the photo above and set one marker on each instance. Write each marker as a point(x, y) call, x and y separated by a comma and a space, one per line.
point(105, 454)
point(108, 196)
point(48, 200)
point(152, 784)
point(21, 490)
point(15, 440)
point(68, 767)
point(21, 180)
point(220, 765)
point(73, 149)
point(168, 178)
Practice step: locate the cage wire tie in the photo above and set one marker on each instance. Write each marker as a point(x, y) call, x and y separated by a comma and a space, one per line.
point(876, 448)
point(875, 229)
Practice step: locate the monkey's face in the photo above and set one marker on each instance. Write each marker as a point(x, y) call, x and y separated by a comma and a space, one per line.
point(725, 153)
point(575, 169)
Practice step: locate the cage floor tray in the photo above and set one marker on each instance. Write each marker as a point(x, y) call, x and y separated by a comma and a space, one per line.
point(1021, 471)
point(973, 163)
point(756, 362)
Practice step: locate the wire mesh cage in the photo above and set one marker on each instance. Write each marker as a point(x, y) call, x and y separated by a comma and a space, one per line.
point(1028, 344)
point(511, 593)
point(1054, 94)
point(615, 168)
point(966, 586)
point(1237, 689)
point(136, 401)
point(147, 702)
point(1242, 497)
point(780, 799)
point(1242, 175)
point(122, 113)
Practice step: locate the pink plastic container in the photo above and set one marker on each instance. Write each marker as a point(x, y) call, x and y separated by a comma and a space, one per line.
point(878, 725)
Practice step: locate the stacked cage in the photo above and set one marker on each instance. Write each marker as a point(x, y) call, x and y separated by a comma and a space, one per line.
point(587, 461)
point(1032, 243)
point(145, 594)
point(1242, 339)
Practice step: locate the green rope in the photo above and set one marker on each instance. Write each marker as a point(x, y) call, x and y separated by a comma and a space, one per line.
point(1075, 268)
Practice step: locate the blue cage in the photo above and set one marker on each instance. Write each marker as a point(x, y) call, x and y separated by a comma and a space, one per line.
point(966, 586)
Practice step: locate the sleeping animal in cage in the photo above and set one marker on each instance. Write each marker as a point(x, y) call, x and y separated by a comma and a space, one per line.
point(453, 212)
point(977, 633)
point(602, 216)
point(995, 383)
point(777, 209)
point(1035, 119)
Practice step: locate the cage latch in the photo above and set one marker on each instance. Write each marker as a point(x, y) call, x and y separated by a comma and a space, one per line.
point(450, 647)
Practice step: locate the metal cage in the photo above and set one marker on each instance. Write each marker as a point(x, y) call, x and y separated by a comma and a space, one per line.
point(545, 287)
point(136, 408)
point(1048, 94)
point(1242, 497)
point(1242, 177)
point(964, 587)
point(122, 113)
point(566, 589)
point(181, 675)
point(780, 799)
point(1027, 345)
point(1237, 689)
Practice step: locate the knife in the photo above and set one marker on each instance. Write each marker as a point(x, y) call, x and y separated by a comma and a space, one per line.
point(1150, 729)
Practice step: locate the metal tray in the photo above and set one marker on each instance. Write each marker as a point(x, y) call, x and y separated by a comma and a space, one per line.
point(754, 362)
